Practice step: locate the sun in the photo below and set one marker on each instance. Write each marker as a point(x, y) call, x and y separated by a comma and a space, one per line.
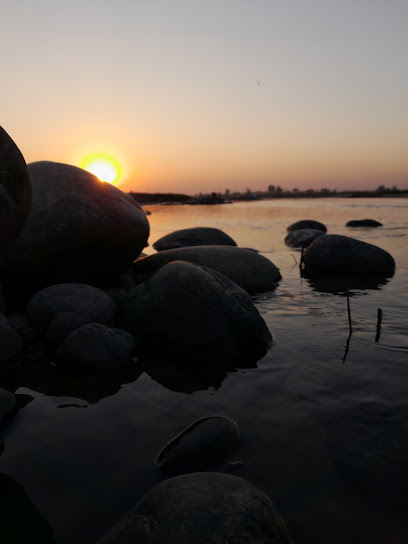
point(103, 167)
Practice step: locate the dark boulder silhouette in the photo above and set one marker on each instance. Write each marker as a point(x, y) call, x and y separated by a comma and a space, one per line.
point(363, 223)
point(15, 193)
point(307, 224)
point(251, 271)
point(201, 508)
point(302, 237)
point(80, 230)
point(196, 236)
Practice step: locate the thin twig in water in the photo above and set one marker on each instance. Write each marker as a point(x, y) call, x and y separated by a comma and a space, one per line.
point(379, 320)
point(350, 327)
point(301, 262)
point(294, 258)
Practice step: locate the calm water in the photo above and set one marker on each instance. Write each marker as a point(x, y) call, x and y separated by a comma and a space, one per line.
point(323, 417)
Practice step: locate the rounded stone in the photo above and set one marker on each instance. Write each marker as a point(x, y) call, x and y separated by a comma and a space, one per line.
point(363, 223)
point(195, 310)
point(199, 446)
point(11, 345)
point(335, 254)
point(196, 236)
point(307, 224)
point(96, 346)
point(248, 269)
point(8, 407)
point(56, 311)
point(15, 193)
point(201, 508)
point(302, 237)
point(80, 230)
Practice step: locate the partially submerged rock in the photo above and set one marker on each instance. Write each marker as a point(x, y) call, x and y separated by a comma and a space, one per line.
point(58, 310)
point(195, 310)
point(80, 230)
point(15, 193)
point(196, 236)
point(307, 224)
point(199, 446)
point(96, 346)
point(302, 237)
point(335, 254)
point(201, 508)
point(251, 271)
point(363, 223)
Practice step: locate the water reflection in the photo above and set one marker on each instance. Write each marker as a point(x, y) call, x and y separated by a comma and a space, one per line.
point(340, 284)
point(20, 521)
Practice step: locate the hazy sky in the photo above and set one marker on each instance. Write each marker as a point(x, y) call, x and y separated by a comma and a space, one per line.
point(210, 95)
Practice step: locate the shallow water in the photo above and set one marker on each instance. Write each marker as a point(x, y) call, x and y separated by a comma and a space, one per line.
point(323, 417)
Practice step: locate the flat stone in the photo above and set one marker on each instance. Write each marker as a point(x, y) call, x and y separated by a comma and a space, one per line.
point(363, 223)
point(248, 269)
point(201, 508)
point(196, 236)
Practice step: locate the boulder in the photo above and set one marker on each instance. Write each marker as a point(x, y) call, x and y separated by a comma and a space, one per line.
point(15, 193)
point(335, 254)
point(363, 223)
point(96, 346)
point(197, 236)
point(251, 271)
point(80, 230)
point(307, 224)
point(302, 237)
point(56, 311)
point(8, 407)
point(199, 446)
point(11, 345)
point(201, 508)
point(195, 311)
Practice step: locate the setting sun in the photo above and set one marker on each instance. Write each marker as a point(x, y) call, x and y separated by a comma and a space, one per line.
point(102, 166)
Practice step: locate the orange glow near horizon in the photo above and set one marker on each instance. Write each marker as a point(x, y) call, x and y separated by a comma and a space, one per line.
point(102, 166)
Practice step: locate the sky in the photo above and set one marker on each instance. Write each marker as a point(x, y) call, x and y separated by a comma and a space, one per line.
point(206, 95)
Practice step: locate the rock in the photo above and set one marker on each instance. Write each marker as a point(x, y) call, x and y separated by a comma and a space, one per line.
point(251, 271)
point(195, 310)
point(197, 236)
point(363, 223)
point(307, 224)
point(96, 346)
point(58, 310)
point(337, 254)
point(199, 446)
point(302, 237)
point(20, 521)
point(80, 230)
point(15, 193)
point(201, 508)
point(8, 407)
point(11, 346)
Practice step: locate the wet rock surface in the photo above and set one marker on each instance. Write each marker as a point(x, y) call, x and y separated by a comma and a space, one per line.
point(251, 271)
point(201, 508)
point(199, 446)
point(196, 236)
point(344, 255)
point(80, 230)
point(197, 311)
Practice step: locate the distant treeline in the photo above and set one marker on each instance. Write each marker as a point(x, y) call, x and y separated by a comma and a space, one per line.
point(272, 192)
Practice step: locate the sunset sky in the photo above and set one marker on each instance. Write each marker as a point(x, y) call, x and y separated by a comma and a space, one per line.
point(198, 96)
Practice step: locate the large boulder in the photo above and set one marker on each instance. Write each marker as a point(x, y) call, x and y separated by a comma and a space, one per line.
point(56, 311)
point(11, 345)
point(195, 311)
point(199, 446)
point(201, 508)
point(196, 236)
point(363, 223)
point(251, 271)
point(335, 254)
point(302, 237)
point(15, 193)
point(307, 224)
point(96, 346)
point(80, 230)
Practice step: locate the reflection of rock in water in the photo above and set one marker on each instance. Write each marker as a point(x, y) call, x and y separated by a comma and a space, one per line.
point(340, 284)
point(65, 382)
point(20, 521)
